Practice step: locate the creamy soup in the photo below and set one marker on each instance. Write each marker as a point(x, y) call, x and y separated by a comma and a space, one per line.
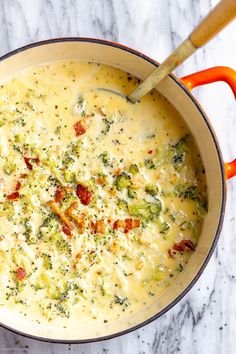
point(102, 201)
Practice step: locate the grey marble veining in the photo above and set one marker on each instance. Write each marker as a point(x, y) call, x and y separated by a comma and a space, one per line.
point(205, 320)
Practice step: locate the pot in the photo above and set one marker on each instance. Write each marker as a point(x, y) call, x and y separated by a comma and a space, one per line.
point(177, 91)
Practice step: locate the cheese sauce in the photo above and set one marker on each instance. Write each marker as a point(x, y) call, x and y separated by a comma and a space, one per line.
point(102, 201)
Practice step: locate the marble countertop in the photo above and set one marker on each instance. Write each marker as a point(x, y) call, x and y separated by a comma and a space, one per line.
point(205, 320)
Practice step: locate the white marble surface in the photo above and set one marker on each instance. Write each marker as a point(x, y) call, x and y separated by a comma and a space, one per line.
point(205, 320)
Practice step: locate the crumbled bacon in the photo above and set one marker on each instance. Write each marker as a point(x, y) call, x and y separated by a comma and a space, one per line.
point(23, 175)
point(101, 180)
point(13, 196)
point(184, 245)
point(66, 230)
point(60, 214)
point(78, 256)
point(28, 159)
point(83, 194)
point(80, 127)
point(128, 224)
point(72, 212)
point(117, 172)
point(131, 224)
point(118, 223)
point(150, 152)
point(21, 273)
point(18, 185)
point(98, 227)
point(59, 195)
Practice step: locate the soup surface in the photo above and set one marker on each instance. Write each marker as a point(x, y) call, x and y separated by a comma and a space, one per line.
point(102, 201)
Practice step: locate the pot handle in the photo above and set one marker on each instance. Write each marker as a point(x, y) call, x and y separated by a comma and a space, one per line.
point(218, 73)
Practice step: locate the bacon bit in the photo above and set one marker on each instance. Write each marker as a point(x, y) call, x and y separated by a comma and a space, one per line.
point(108, 221)
point(18, 185)
point(112, 192)
point(79, 219)
point(80, 127)
point(98, 227)
point(23, 175)
point(83, 194)
point(60, 214)
point(13, 196)
point(128, 224)
point(92, 251)
point(117, 172)
point(59, 195)
point(170, 253)
point(150, 152)
point(101, 180)
point(118, 223)
point(66, 231)
point(21, 273)
point(184, 245)
point(28, 159)
point(131, 224)
point(78, 256)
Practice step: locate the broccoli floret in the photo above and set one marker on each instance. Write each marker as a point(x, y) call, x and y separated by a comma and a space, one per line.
point(145, 210)
point(149, 164)
point(29, 236)
point(191, 193)
point(105, 158)
point(181, 145)
point(47, 261)
point(122, 204)
point(9, 167)
point(185, 192)
point(164, 227)
point(133, 169)
point(131, 193)
point(151, 189)
point(178, 159)
point(122, 181)
point(121, 300)
point(108, 123)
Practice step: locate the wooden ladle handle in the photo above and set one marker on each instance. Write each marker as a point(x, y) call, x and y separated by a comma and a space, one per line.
point(217, 19)
point(213, 23)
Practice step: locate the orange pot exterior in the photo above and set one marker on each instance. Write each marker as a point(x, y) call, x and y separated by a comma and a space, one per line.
point(218, 73)
point(230, 169)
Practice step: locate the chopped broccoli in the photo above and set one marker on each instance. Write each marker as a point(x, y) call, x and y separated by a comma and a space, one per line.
point(122, 204)
point(178, 159)
point(47, 261)
point(145, 210)
point(9, 167)
point(151, 189)
point(164, 227)
point(108, 123)
point(131, 193)
point(29, 236)
point(185, 192)
point(80, 105)
point(149, 164)
point(181, 145)
point(105, 158)
point(121, 300)
point(122, 181)
point(133, 169)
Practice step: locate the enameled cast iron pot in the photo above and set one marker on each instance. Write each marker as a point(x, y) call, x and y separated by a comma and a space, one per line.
point(177, 91)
